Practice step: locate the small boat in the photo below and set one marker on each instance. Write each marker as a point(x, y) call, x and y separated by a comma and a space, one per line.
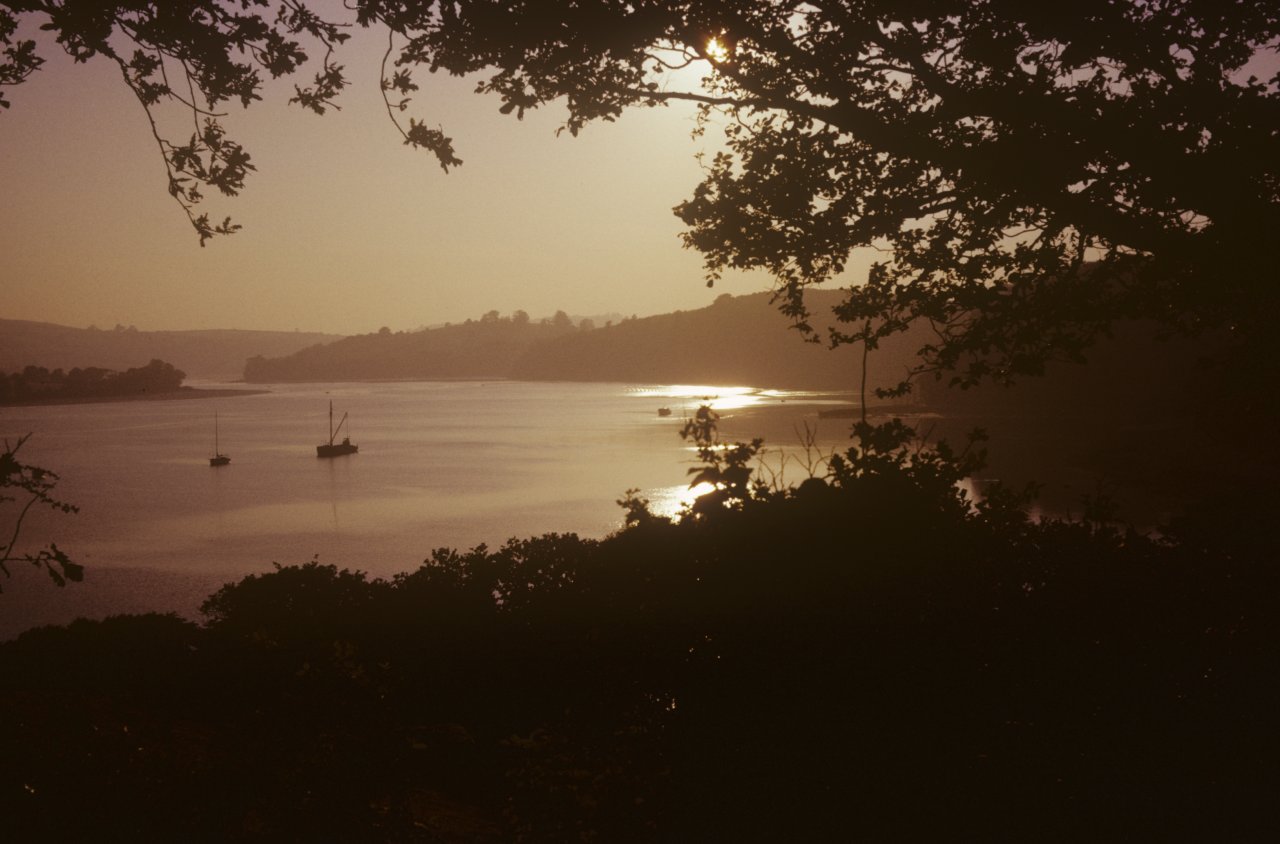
point(218, 459)
point(664, 411)
point(331, 448)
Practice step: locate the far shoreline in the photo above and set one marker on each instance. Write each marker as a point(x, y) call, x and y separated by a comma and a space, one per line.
point(181, 394)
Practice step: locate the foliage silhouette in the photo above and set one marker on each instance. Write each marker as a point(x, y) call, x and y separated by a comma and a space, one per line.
point(870, 655)
point(25, 486)
point(726, 468)
point(1031, 175)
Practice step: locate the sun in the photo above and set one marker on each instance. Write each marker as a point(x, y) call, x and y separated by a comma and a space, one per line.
point(717, 50)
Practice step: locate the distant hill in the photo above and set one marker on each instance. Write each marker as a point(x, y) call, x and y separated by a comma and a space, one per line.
point(738, 340)
point(483, 348)
point(218, 354)
point(742, 340)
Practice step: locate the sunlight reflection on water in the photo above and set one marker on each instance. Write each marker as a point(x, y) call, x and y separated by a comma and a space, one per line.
point(691, 396)
point(670, 500)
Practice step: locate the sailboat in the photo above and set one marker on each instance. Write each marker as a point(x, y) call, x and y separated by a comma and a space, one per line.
point(218, 459)
point(332, 449)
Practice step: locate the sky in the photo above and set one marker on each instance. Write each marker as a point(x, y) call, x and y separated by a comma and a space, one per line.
point(346, 229)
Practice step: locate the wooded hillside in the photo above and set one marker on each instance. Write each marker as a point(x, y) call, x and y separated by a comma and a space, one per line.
point(213, 354)
point(740, 340)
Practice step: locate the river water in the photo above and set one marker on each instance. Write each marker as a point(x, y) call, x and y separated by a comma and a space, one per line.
point(441, 464)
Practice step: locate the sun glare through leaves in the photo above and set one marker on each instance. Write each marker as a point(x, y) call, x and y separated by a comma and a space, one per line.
point(717, 50)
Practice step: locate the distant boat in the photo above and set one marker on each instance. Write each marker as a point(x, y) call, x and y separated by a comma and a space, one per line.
point(218, 459)
point(664, 411)
point(332, 449)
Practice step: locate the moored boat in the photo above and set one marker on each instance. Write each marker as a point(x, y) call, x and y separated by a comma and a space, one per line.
point(218, 459)
point(336, 449)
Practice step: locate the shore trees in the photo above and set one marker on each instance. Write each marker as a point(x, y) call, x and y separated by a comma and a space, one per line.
point(38, 382)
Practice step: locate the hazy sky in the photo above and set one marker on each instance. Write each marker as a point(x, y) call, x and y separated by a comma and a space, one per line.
point(345, 228)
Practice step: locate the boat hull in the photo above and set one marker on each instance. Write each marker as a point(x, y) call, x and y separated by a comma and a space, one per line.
point(220, 460)
point(336, 449)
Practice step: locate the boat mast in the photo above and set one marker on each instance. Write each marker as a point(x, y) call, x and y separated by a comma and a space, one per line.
point(216, 452)
point(333, 432)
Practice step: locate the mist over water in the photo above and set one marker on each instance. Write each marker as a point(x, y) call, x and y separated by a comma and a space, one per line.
point(440, 464)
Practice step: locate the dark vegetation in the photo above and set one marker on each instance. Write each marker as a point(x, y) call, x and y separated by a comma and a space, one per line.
point(865, 657)
point(35, 383)
point(213, 354)
point(1157, 419)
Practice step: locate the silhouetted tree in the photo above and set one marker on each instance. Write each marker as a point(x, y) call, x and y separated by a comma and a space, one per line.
point(1031, 173)
point(23, 486)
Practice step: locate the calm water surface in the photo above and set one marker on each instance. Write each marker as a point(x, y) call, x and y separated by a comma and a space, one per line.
point(441, 464)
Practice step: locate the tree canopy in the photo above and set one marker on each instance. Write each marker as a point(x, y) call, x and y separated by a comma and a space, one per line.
point(1029, 173)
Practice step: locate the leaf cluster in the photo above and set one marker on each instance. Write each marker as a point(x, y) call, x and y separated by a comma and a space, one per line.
point(24, 486)
point(192, 57)
point(19, 59)
point(726, 468)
